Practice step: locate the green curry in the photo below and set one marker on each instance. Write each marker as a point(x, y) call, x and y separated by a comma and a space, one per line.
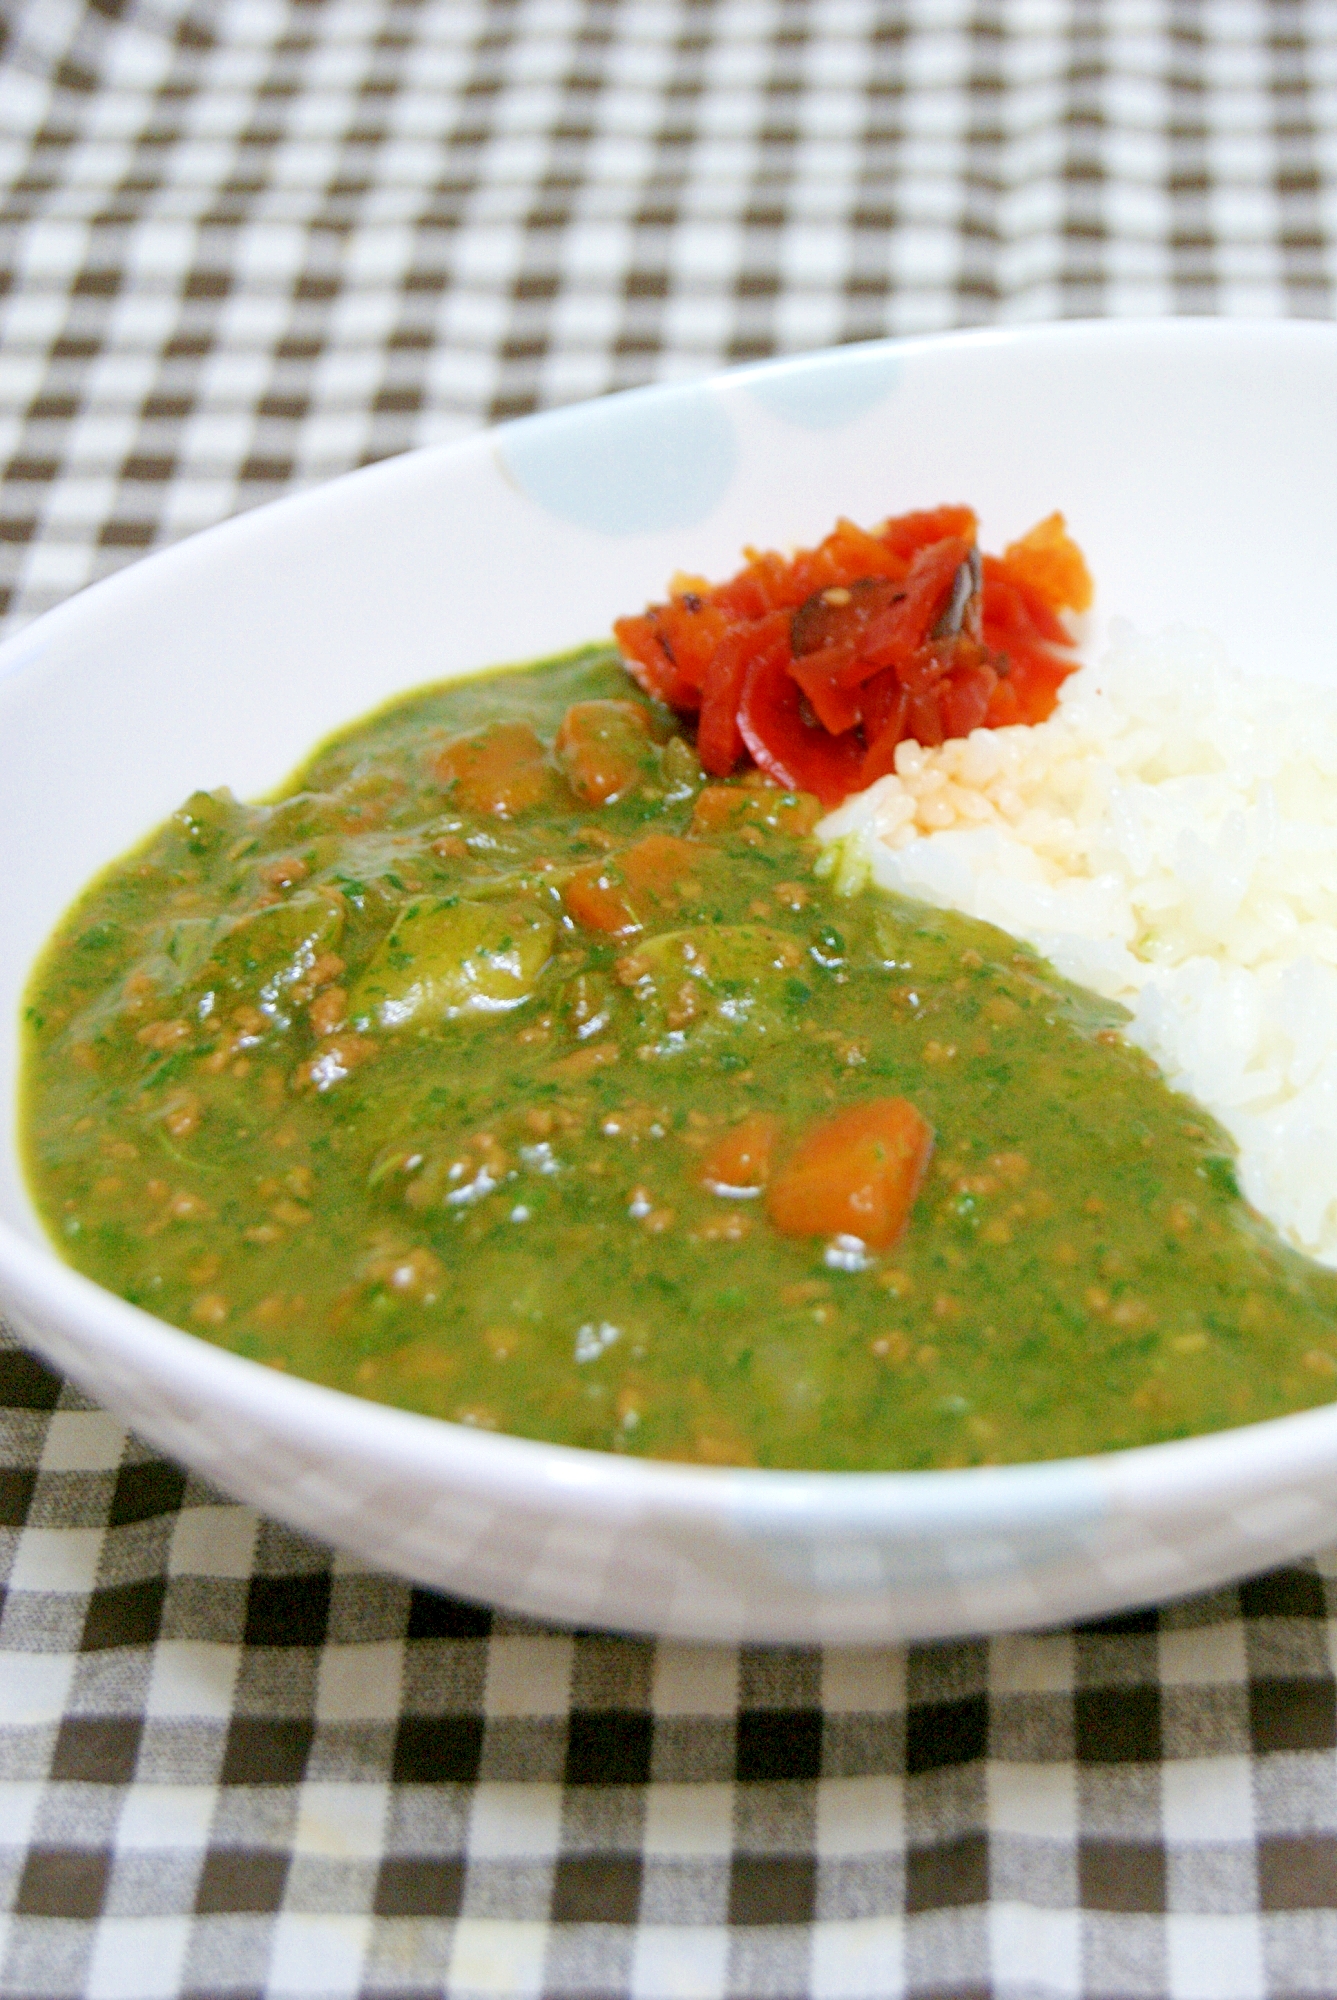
point(412, 1080)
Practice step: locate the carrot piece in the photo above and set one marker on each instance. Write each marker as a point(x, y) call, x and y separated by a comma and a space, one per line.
point(856, 1174)
point(739, 1163)
point(725, 808)
point(597, 898)
point(658, 866)
point(718, 808)
point(661, 872)
point(617, 895)
point(1050, 561)
point(501, 770)
point(603, 747)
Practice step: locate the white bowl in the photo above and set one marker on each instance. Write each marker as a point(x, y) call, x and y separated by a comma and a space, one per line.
point(1193, 460)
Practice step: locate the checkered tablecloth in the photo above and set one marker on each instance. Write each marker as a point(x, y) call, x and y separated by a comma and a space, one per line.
point(251, 243)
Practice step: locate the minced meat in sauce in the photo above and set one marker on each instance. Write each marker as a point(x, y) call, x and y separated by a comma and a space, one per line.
point(507, 1070)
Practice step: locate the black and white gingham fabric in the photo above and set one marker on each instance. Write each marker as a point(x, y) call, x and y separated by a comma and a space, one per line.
point(249, 244)
point(232, 1765)
point(246, 245)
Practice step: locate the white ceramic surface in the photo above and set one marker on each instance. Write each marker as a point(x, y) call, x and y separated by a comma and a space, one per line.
point(1193, 460)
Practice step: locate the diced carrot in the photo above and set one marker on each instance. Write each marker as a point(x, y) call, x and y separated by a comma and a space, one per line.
point(604, 749)
point(717, 808)
point(724, 808)
point(596, 896)
point(1050, 561)
point(739, 1163)
point(617, 895)
point(502, 770)
point(856, 1174)
point(659, 865)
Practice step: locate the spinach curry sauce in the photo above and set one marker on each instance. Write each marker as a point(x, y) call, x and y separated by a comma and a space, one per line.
point(341, 1083)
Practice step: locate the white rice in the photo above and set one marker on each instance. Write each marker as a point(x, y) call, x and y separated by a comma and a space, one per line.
point(1168, 837)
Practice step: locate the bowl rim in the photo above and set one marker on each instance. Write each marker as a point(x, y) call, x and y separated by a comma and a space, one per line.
point(1015, 1496)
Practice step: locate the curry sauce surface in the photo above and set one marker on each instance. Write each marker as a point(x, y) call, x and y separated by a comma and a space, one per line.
point(339, 1082)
